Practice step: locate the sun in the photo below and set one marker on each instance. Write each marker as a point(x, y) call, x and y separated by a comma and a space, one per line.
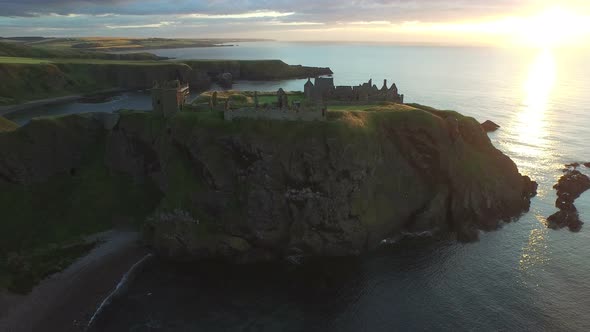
point(553, 27)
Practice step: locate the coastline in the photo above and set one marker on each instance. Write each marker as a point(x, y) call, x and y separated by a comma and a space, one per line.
point(57, 303)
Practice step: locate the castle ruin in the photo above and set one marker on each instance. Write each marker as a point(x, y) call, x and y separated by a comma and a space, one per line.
point(281, 109)
point(169, 97)
point(323, 89)
point(314, 106)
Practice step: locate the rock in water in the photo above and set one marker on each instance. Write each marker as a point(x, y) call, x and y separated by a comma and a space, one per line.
point(489, 126)
point(587, 165)
point(569, 187)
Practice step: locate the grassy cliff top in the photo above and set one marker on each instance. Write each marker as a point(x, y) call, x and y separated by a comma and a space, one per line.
point(246, 99)
point(23, 50)
point(349, 116)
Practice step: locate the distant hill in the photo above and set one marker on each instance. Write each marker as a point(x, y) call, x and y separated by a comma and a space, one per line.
point(108, 44)
point(23, 39)
point(19, 49)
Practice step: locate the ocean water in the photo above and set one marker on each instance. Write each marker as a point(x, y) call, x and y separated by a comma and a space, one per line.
point(521, 277)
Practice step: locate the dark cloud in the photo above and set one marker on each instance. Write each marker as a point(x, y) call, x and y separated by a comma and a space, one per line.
point(317, 10)
point(36, 7)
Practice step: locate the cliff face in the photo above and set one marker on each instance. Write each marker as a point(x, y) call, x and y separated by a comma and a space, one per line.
point(22, 82)
point(249, 190)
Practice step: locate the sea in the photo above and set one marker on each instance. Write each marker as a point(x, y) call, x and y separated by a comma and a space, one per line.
point(522, 277)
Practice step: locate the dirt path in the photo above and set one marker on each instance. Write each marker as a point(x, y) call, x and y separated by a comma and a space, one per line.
point(67, 300)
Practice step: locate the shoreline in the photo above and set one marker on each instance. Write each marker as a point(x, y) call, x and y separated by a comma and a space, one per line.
point(10, 109)
point(66, 301)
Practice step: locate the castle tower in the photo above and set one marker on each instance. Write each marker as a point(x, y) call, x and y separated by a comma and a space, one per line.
point(323, 88)
point(384, 88)
point(282, 100)
point(394, 88)
point(308, 89)
point(169, 97)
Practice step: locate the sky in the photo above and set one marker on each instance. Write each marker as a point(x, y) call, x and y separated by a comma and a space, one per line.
point(526, 22)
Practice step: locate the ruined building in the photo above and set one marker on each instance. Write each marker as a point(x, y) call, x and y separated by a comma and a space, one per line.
point(169, 97)
point(323, 89)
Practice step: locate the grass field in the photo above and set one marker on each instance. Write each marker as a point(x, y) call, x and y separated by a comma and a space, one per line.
point(29, 61)
point(22, 61)
point(119, 44)
point(385, 106)
point(246, 99)
point(14, 49)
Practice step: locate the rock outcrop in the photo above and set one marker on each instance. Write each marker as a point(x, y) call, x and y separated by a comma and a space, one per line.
point(569, 187)
point(490, 126)
point(251, 190)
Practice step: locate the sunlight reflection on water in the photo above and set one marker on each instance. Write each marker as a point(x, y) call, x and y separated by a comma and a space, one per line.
point(532, 128)
point(531, 121)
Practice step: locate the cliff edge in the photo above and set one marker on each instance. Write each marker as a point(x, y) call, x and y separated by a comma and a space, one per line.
point(252, 189)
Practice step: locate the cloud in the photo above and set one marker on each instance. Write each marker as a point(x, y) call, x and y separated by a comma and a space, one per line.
point(370, 23)
point(280, 23)
point(329, 10)
point(302, 19)
point(140, 26)
point(247, 15)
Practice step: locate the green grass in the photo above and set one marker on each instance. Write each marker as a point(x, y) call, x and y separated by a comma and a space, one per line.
point(35, 61)
point(38, 49)
point(7, 125)
point(22, 61)
point(384, 106)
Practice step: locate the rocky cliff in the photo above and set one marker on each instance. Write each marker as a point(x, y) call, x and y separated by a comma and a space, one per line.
point(249, 190)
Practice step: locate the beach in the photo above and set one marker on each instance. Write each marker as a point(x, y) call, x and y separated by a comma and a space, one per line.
point(67, 300)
